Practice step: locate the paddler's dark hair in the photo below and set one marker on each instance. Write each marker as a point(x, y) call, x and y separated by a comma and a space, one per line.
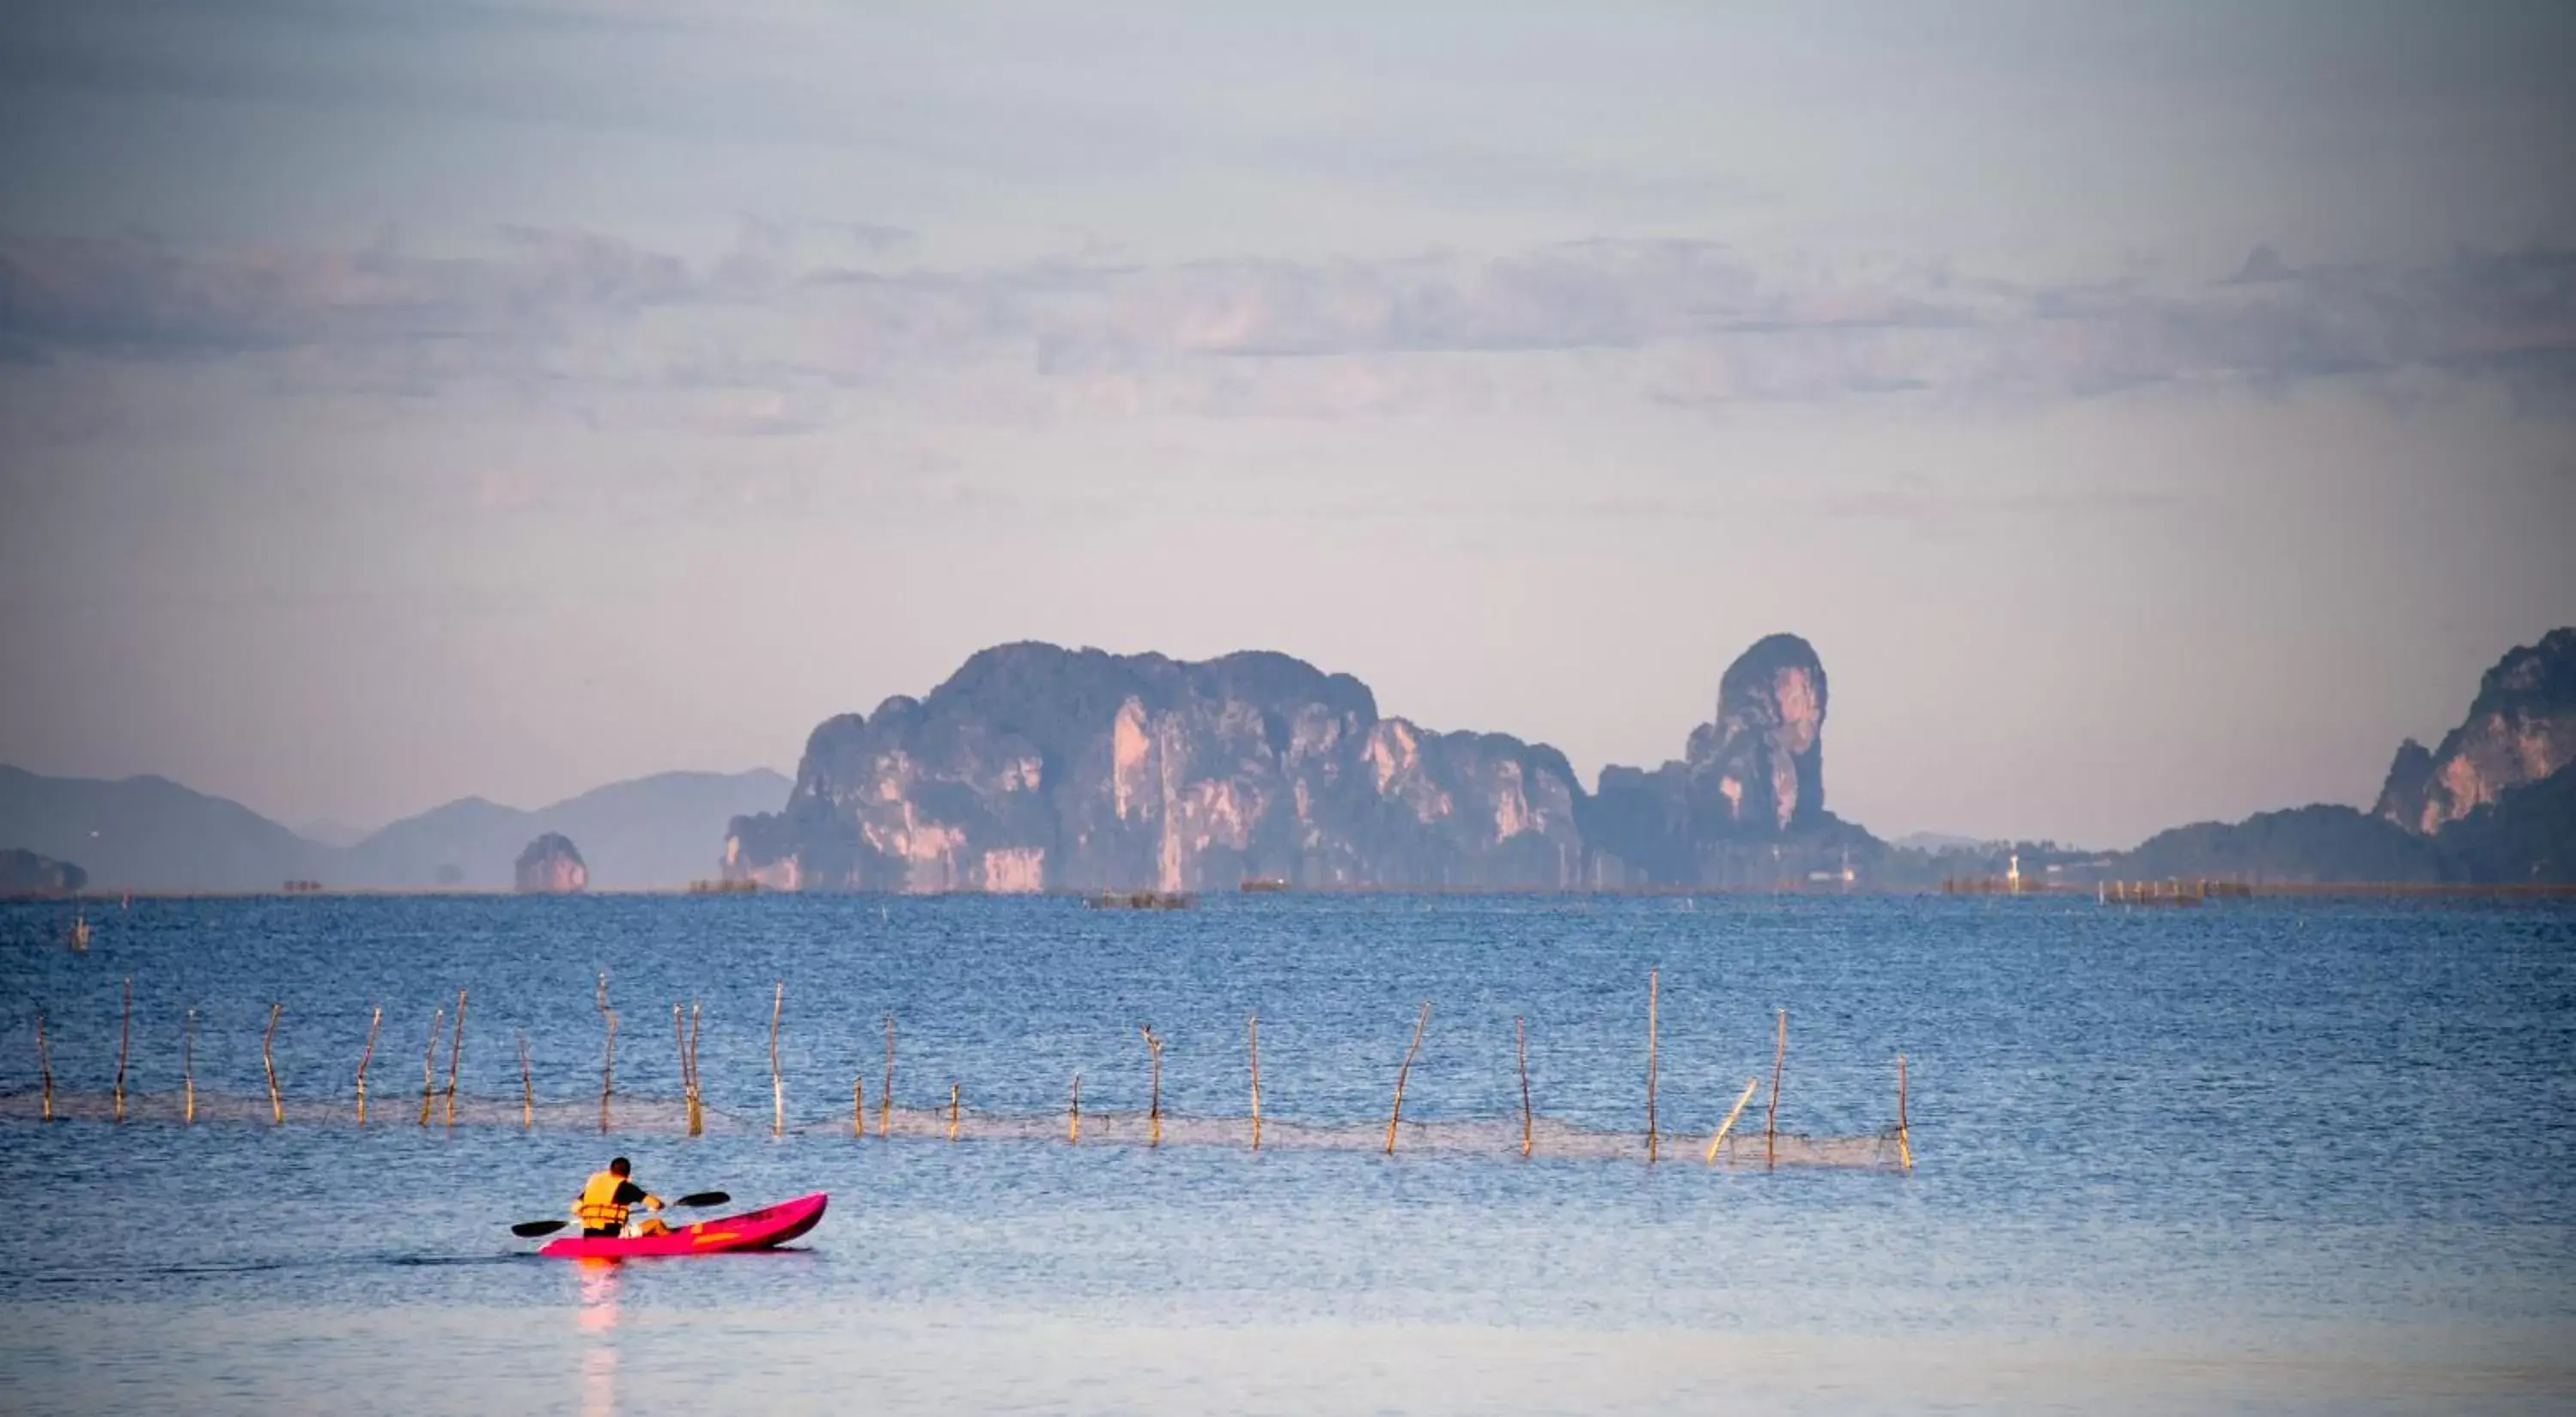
point(620, 1166)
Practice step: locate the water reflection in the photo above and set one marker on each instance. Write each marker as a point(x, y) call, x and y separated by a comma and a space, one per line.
point(598, 1318)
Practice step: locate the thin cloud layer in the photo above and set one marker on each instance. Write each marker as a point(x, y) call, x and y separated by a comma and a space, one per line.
point(1674, 321)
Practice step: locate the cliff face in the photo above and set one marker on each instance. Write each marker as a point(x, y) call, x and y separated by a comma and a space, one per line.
point(551, 865)
point(2521, 728)
point(1037, 768)
point(1745, 804)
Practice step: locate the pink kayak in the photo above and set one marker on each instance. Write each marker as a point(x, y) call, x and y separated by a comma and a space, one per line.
point(759, 1230)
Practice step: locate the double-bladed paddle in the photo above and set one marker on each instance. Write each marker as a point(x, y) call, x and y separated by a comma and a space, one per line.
point(530, 1229)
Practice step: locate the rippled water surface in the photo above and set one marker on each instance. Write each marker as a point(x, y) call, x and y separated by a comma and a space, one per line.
point(2272, 1156)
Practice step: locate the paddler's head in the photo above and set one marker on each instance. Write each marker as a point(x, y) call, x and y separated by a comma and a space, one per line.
point(619, 1167)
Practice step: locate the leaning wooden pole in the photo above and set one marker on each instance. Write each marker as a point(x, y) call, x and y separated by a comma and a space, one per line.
point(1395, 1113)
point(696, 1094)
point(1729, 1124)
point(375, 1021)
point(680, 1052)
point(777, 1080)
point(1652, 976)
point(268, 1061)
point(885, 1091)
point(608, 1058)
point(1771, 1111)
point(1904, 1143)
point(1154, 1104)
point(124, 1039)
point(1073, 1114)
point(1520, 1046)
point(859, 1105)
point(1252, 1026)
point(429, 1061)
point(455, 1057)
point(45, 1066)
point(952, 1111)
point(527, 1084)
point(188, 1070)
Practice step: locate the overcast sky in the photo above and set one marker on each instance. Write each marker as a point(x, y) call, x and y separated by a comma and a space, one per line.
point(2151, 413)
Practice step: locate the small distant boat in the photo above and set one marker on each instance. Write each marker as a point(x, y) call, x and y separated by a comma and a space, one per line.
point(758, 1230)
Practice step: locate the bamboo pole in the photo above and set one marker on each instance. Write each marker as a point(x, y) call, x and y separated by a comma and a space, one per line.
point(124, 1037)
point(1652, 977)
point(885, 1093)
point(455, 1056)
point(1729, 1124)
point(697, 1094)
point(1396, 1112)
point(608, 1059)
point(1520, 1045)
point(527, 1085)
point(1771, 1112)
point(45, 1066)
point(1252, 1024)
point(428, 1060)
point(1073, 1117)
point(1904, 1144)
point(1154, 1108)
point(375, 1021)
point(952, 1111)
point(188, 1070)
point(777, 1081)
point(276, 1102)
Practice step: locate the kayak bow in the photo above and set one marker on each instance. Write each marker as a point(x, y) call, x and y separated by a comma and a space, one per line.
point(759, 1230)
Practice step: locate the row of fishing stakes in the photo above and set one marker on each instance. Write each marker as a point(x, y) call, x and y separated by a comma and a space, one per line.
point(685, 1029)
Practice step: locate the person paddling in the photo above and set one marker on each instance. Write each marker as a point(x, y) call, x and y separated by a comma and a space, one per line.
point(605, 1198)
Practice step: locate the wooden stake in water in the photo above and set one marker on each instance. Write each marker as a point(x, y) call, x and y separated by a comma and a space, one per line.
point(1771, 1114)
point(429, 1062)
point(1395, 1113)
point(276, 1101)
point(1651, 977)
point(45, 1066)
point(608, 1059)
point(952, 1111)
point(1252, 1025)
point(124, 1036)
point(455, 1057)
point(697, 1108)
point(688, 1071)
point(1729, 1124)
point(1154, 1107)
point(777, 1080)
point(375, 1021)
point(527, 1084)
point(859, 1105)
point(1073, 1116)
point(1904, 1144)
point(1520, 1045)
point(188, 1070)
point(885, 1091)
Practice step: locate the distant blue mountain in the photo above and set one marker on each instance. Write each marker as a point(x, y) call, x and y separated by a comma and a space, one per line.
point(149, 833)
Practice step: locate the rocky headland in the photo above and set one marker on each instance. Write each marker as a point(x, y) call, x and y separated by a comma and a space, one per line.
point(551, 865)
point(2494, 804)
point(1041, 768)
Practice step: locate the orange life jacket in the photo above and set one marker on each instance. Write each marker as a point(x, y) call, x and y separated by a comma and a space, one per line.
point(598, 1208)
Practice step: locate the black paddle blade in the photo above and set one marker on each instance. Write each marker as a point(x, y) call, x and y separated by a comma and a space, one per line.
point(529, 1229)
point(703, 1198)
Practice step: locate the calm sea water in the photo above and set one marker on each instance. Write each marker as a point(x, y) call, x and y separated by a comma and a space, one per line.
point(2269, 1156)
